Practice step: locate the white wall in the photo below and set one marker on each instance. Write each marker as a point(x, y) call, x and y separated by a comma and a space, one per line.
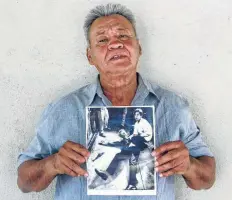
point(187, 48)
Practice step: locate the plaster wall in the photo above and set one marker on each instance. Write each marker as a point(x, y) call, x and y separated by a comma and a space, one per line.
point(187, 48)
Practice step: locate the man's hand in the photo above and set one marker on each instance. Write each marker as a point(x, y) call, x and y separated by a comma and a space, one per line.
point(172, 158)
point(36, 175)
point(69, 158)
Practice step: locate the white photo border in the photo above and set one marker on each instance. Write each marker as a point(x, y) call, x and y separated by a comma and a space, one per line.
point(124, 192)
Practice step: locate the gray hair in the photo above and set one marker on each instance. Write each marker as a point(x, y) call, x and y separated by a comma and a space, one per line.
point(107, 10)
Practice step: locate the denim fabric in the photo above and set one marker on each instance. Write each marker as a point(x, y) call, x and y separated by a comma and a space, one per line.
point(65, 120)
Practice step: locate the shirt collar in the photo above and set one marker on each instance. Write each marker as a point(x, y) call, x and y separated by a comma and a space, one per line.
point(151, 87)
point(99, 87)
point(143, 86)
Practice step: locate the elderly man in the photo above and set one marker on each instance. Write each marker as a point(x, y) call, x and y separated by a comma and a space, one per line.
point(58, 149)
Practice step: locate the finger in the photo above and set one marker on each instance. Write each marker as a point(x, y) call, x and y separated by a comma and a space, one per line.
point(79, 159)
point(78, 148)
point(167, 147)
point(154, 154)
point(172, 171)
point(66, 170)
point(168, 173)
point(73, 166)
point(169, 156)
point(170, 165)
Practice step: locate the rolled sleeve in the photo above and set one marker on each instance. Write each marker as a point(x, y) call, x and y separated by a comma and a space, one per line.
point(40, 147)
point(192, 137)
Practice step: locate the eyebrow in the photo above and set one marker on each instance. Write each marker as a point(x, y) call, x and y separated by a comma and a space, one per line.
point(101, 32)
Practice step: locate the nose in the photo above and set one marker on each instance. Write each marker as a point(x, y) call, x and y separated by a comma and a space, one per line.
point(116, 44)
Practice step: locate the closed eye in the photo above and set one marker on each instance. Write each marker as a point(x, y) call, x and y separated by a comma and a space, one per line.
point(123, 36)
point(103, 40)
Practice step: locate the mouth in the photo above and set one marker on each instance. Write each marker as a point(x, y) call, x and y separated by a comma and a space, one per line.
point(117, 57)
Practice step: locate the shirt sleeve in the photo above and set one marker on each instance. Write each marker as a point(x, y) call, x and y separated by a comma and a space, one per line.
point(148, 129)
point(190, 134)
point(40, 146)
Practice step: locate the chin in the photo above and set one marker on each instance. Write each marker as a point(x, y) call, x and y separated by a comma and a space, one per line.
point(119, 73)
point(121, 68)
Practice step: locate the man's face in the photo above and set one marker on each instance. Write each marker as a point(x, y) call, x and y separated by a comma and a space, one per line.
point(114, 48)
point(137, 116)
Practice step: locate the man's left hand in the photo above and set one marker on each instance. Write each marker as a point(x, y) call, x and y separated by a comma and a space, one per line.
point(172, 158)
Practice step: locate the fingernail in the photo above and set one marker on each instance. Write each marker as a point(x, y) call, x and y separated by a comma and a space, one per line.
point(161, 175)
point(156, 163)
point(156, 169)
point(86, 175)
point(87, 155)
point(153, 153)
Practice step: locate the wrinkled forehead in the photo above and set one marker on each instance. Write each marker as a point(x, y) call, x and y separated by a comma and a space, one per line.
point(113, 22)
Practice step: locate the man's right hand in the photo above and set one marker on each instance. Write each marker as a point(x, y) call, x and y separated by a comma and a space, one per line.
point(36, 175)
point(69, 158)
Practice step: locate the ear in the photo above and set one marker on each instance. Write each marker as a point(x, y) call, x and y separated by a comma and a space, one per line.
point(140, 50)
point(89, 56)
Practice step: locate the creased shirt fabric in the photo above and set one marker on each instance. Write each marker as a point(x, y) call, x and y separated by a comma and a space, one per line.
point(64, 120)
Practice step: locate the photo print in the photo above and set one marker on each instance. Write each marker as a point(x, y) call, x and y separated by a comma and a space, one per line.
point(120, 140)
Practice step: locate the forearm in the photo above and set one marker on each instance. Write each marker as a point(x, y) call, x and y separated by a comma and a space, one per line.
point(201, 173)
point(36, 175)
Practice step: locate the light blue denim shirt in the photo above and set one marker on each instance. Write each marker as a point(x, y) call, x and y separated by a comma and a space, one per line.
point(65, 120)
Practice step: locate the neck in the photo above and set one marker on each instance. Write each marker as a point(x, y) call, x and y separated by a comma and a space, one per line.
point(119, 89)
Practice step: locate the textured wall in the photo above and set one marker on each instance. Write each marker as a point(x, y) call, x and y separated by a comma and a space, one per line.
point(187, 48)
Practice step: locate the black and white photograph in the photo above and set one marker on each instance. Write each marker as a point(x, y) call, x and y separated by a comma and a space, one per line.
point(120, 140)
